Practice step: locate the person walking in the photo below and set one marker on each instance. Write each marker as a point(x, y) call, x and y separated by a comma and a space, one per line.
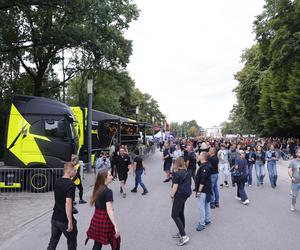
point(239, 174)
point(167, 157)
point(203, 190)
point(77, 181)
point(214, 161)
point(181, 191)
point(62, 221)
point(223, 157)
point(249, 156)
point(233, 155)
point(259, 158)
point(123, 165)
point(103, 162)
point(272, 156)
point(191, 162)
point(294, 174)
point(103, 228)
point(138, 170)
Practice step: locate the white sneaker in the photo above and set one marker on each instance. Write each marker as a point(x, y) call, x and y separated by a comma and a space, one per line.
point(183, 240)
point(238, 198)
point(293, 208)
point(250, 185)
point(246, 202)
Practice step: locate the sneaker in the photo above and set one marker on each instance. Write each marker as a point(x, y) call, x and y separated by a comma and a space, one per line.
point(200, 228)
point(74, 203)
point(166, 180)
point(217, 204)
point(246, 202)
point(293, 208)
point(207, 223)
point(74, 210)
point(145, 192)
point(212, 206)
point(82, 202)
point(124, 195)
point(221, 185)
point(238, 198)
point(176, 236)
point(226, 183)
point(183, 240)
point(250, 185)
point(134, 190)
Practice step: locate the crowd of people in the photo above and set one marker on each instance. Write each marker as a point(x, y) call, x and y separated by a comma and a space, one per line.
point(203, 166)
point(222, 163)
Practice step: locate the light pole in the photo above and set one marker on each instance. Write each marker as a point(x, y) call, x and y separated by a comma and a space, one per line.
point(161, 131)
point(153, 120)
point(137, 111)
point(89, 122)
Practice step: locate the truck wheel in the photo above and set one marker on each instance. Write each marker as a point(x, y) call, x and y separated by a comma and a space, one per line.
point(40, 181)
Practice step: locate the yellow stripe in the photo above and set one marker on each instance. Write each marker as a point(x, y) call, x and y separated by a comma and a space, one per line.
point(14, 185)
point(25, 148)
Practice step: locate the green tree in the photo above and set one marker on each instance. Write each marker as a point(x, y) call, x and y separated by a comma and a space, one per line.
point(35, 33)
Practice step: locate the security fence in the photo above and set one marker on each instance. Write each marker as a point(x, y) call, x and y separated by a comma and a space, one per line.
point(38, 180)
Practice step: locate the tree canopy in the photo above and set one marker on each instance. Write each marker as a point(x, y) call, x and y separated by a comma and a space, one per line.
point(268, 92)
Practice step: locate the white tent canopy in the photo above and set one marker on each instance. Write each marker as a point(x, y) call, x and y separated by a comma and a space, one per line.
point(165, 136)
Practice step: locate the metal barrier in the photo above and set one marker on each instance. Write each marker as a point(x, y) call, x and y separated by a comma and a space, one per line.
point(37, 180)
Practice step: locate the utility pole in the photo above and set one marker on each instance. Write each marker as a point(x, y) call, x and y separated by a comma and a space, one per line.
point(89, 122)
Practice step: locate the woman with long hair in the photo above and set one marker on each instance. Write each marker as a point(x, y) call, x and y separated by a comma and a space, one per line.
point(181, 190)
point(103, 228)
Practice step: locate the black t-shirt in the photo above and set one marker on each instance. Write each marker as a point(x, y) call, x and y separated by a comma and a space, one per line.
point(139, 163)
point(169, 158)
point(214, 161)
point(123, 163)
point(183, 179)
point(105, 196)
point(64, 188)
point(191, 157)
point(203, 178)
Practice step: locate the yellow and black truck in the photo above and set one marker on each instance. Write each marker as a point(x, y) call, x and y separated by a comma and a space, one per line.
point(40, 136)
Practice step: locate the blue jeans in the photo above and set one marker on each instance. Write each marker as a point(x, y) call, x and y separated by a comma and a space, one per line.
point(272, 169)
point(249, 176)
point(138, 179)
point(214, 187)
point(241, 189)
point(295, 191)
point(260, 172)
point(284, 154)
point(205, 212)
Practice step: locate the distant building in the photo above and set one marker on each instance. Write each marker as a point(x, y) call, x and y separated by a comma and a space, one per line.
point(215, 132)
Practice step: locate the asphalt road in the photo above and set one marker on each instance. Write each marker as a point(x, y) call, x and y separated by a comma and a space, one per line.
point(145, 223)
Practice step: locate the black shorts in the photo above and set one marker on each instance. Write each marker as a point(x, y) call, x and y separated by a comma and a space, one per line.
point(167, 166)
point(122, 176)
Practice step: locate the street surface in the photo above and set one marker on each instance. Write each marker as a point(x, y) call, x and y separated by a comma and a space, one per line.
point(145, 222)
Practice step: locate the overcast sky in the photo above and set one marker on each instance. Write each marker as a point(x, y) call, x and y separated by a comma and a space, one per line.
point(186, 52)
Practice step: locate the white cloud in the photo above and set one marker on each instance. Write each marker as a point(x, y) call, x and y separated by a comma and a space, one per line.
point(186, 52)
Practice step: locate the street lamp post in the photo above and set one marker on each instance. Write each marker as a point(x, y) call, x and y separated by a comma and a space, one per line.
point(89, 123)
point(137, 111)
point(153, 119)
point(161, 131)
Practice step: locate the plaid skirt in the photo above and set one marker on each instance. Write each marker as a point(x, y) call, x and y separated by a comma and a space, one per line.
point(102, 230)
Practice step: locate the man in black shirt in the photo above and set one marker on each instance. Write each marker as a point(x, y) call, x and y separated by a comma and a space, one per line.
point(203, 187)
point(214, 161)
point(167, 157)
point(191, 162)
point(123, 164)
point(63, 221)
